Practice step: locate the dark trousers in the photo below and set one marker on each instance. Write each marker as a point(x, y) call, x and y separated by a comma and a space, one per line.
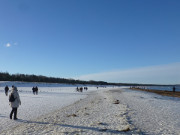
point(6, 92)
point(14, 110)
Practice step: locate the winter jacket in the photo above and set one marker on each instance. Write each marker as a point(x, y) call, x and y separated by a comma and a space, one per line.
point(17, 101)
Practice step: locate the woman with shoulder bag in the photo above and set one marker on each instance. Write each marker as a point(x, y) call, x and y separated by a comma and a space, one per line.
point(14, 104)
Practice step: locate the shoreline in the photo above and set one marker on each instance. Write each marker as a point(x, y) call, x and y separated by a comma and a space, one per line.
point(160, 92)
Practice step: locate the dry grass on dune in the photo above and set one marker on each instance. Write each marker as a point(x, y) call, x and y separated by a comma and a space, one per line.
point(161, 92)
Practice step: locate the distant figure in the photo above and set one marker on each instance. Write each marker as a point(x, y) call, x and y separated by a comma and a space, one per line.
point(174, 89)
point(77, 89)
point(15, 104)
point(6, 90)
point(36, 90)
point(81, 89)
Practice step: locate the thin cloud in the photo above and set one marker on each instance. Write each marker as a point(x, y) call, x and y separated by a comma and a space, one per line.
point(11, 44)
point(8, 45)
point(163, 74)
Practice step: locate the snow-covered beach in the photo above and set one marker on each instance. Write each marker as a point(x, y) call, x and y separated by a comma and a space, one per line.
point(62, 110)
point(50, 98)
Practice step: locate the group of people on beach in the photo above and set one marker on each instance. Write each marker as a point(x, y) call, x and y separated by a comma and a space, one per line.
point(14, 99)
point(81, 89)
point(35, 90)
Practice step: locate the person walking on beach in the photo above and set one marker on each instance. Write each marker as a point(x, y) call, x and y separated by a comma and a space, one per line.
point(174, 89)
point(36, 90)
point(15, 102)
point(6, 90)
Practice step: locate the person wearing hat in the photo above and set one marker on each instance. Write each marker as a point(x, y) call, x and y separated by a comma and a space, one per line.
point(15, 104)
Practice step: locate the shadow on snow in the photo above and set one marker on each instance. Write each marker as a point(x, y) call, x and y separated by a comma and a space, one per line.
point(73, 126)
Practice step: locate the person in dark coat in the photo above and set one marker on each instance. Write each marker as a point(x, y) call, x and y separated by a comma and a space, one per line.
point(36, 90)
point(6, 90)
point(174, 89)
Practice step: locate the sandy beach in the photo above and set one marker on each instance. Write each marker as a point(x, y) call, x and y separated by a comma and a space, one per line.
point(99, 113)
point(105, 111)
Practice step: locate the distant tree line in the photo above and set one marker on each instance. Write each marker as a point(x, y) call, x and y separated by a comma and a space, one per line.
point(5, 76)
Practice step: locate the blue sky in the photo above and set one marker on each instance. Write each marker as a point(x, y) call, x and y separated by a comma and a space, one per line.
point(84, 39)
